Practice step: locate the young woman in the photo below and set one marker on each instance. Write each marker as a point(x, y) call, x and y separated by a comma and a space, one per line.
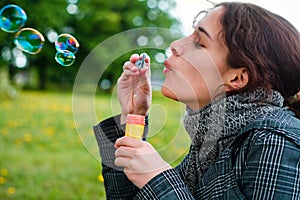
point(238, 75)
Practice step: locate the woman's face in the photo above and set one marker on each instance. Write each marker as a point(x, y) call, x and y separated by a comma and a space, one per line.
point(194, 72)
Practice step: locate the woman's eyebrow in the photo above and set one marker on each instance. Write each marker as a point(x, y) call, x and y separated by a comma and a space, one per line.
point(201, 29)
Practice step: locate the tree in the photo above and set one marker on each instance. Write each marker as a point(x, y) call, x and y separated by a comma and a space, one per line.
point(91, 22)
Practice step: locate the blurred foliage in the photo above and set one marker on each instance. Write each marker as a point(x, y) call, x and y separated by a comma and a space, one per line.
point(92, 22)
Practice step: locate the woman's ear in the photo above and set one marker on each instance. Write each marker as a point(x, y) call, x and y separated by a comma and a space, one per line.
point(235, 79)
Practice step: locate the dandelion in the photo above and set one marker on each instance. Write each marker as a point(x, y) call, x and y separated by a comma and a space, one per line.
point(4, 131)
point(27, 137)
point(11, 190)
point(12, 123)
point(54, 107)
point(72, 125)
point(67, 109)
point(18, 142)
point(49, 131)
point(100, 178)
point(2, 180)
point(6, 104)
point(4, 172)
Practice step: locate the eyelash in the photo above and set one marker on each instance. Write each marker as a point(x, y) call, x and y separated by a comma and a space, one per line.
point(199, 45)
point(197, 41)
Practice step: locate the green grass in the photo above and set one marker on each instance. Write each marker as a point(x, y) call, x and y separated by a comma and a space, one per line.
point(45, 154)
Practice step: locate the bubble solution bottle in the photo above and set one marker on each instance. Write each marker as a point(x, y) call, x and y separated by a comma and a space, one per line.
point(135, 125)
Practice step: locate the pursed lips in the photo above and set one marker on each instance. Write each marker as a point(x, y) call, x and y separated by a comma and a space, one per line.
point(167, 67)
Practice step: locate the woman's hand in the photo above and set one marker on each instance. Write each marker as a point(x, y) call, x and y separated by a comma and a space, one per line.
point(134, 88)
point(140, 160)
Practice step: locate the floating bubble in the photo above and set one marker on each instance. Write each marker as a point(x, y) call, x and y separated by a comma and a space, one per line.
point(12, 18)
point(29, 40)
point(66, 42)
point(65, 58)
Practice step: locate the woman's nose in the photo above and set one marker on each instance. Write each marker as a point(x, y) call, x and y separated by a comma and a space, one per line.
point(177, 47)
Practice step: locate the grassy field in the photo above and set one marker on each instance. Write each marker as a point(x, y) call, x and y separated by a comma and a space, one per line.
point(43, 155)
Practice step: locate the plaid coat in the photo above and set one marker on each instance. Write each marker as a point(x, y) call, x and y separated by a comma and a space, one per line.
point(263, 162)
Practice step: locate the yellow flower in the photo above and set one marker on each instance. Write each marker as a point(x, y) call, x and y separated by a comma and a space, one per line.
point(67, 109)
point(11, 190)
point(71, 125)
point(4, 172)
point(4, 131)
point(2, 180)
point(27, 137)
point(12, 123)
point(49, 131)
point(100, 178)
point(18, 142)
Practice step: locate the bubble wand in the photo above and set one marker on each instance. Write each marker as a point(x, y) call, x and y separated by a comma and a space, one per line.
point(135, 123)
point(141, 62)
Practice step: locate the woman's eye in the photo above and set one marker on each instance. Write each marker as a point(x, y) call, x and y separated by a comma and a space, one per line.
point(198, 42)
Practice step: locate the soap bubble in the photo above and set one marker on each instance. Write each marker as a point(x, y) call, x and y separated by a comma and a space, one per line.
point(65, 58)
point(66, 42)
point(12, 18)
point(66, 46)
point(29, 40)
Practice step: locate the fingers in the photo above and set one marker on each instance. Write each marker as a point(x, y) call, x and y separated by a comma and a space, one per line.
point(130, 69)
point(121, 162)
point(124, 152)
point(128, 142)
point(126, 148)
point(130, 65)
point(135, 57)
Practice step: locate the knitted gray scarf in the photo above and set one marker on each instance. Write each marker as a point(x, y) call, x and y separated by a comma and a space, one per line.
point(213, 127)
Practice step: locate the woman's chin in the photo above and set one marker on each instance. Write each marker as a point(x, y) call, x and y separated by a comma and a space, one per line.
point(168, 93)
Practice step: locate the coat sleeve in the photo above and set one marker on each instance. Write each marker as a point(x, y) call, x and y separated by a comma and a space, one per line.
point(166, 185)
point(116, 184)
point(271, 167)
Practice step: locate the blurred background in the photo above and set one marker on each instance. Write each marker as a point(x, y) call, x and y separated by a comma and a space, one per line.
point(90, 22)
point(42, 153)
point(42, 156)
